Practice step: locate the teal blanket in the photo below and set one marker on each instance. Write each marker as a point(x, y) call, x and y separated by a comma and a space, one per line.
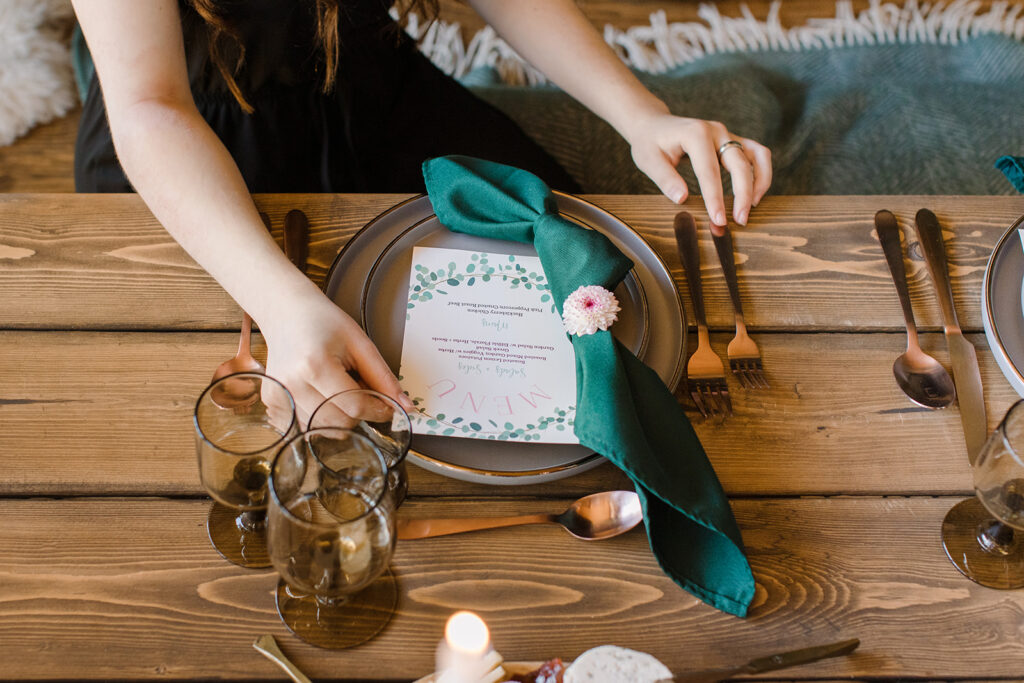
point(889, 119)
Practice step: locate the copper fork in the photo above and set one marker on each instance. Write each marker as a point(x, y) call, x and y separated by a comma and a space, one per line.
point(705, 372)
point(744, 356)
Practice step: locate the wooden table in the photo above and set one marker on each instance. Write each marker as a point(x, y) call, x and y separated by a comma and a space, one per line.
point(108, 332)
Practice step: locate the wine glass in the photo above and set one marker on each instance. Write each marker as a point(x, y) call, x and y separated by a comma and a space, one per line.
point(235, 442)
point(331, 535)
point(380, 419)
point(984, 536)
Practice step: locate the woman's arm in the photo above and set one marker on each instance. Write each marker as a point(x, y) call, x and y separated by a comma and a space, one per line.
point(557, 39)
point(189, 181)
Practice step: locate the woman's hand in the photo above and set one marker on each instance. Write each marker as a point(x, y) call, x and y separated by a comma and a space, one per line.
point(660, 141)
point(317, 350)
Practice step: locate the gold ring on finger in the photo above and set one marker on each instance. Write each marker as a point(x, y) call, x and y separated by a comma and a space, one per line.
point(726, 145)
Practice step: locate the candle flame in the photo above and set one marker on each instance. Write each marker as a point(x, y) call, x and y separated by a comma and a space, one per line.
point(466, 632)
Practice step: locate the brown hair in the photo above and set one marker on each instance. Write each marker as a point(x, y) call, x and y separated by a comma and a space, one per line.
point(221, 28)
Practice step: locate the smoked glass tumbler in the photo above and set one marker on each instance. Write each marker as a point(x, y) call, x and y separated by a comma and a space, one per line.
point(984, 536)
point(380, 419)
point(331, 536)
point(241, 422)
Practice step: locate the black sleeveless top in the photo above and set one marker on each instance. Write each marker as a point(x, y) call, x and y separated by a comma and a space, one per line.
point(390, 108)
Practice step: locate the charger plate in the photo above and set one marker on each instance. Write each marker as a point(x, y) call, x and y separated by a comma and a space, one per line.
point(1002, 301)
point(367, 277)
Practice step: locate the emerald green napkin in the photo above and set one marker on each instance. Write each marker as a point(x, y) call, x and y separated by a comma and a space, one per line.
point(623, 409)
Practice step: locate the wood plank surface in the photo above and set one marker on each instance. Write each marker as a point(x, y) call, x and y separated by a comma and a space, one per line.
point(131, 589)
point(102, 261)
point(43, 160)
point(95, 413)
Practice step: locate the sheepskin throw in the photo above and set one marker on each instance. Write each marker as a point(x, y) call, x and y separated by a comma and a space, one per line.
point(36, 84)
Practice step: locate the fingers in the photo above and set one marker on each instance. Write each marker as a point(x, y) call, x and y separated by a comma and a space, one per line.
point(736, 162)
point(760, 159)
point(704, 158)
point(377, 375)
point(660, 169)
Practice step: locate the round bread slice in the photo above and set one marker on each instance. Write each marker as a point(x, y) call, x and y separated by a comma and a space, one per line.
point(612, 664)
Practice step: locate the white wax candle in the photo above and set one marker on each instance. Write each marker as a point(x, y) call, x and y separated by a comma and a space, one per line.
point(462, 657)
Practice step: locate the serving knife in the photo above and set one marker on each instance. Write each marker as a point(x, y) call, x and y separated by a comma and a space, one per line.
point(770, 663)
point(966, 375)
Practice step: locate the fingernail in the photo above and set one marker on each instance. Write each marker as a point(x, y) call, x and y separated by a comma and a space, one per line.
point(720, 218)
point(677, 195)
point(741, 217)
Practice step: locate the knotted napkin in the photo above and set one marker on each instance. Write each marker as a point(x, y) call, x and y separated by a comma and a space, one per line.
point(623, 409)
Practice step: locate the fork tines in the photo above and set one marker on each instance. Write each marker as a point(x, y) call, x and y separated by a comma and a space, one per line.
point(711, 396)
point(749, 372)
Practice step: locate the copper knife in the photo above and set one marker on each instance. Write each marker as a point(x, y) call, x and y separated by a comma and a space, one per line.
point(963, 357)
point(296, 238)
point(770, 663)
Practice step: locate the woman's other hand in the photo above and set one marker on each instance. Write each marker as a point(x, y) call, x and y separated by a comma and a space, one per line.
point(660, 141)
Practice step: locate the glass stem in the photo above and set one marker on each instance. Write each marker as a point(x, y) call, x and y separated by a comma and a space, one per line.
point(996, 537)
point(252, 520)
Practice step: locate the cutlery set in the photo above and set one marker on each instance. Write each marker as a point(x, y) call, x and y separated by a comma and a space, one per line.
point(705, 371)
point(920, 376)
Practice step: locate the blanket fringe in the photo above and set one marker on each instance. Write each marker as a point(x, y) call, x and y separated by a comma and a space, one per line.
point(661, 45)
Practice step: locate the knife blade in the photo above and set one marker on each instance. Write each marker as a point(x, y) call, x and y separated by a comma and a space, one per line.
point(962, 355)
point(296, 238)
point(770, 663)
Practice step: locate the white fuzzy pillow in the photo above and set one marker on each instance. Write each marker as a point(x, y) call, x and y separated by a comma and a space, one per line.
point(36, 82)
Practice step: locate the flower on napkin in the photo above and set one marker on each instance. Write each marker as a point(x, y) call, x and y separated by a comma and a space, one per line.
point(589, 309)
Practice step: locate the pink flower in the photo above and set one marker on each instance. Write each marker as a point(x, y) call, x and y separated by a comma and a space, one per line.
point(589, 309)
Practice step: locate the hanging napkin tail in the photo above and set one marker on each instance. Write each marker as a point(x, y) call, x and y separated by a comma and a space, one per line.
point(627, 414)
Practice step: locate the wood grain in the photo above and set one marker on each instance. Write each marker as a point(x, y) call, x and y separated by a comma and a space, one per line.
point(42, 160)
point(131, 589)
point(95, 413)
point(102, 261)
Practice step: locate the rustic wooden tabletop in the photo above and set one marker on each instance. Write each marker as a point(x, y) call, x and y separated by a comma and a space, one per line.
point(108, 332)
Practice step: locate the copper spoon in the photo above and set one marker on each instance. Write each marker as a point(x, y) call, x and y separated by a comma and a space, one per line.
point(592, 518)
point(921, 377)
point(226, 395)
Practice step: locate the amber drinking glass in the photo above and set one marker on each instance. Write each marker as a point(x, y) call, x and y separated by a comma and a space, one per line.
point(984, 536)
point(241, 421)
point(380, 419)
point(331, 534)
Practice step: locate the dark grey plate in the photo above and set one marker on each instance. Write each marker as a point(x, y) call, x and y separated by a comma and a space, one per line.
point(654, 326)
point(1002, 300)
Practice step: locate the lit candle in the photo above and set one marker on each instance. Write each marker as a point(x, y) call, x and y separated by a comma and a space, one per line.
point(465, 655)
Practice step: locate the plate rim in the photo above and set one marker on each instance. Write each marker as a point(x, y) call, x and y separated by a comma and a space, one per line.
point(1003, 357)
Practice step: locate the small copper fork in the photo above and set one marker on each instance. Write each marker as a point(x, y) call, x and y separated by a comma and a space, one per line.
point(705, 372)
point(744, 356)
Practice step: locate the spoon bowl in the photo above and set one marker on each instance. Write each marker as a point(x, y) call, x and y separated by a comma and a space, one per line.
point(591, 518)
point(602, 515)
point(239, 393)
point(923, 379)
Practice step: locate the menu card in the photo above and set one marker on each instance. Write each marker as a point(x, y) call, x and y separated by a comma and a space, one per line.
point(485, 355)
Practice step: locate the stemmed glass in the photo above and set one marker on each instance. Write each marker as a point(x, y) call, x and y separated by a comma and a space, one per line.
point(984, 536)
point(241, 420)
point(331, 536)
point(380, 419)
